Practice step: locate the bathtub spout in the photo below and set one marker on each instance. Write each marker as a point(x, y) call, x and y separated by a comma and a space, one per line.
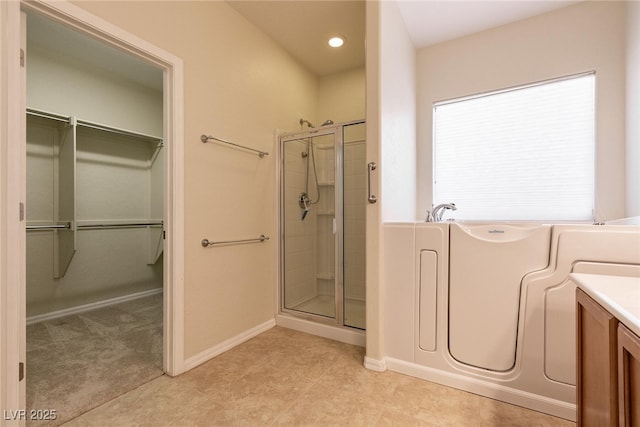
point(436, 214)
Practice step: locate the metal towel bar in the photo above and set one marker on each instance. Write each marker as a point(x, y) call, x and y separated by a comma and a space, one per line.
point(206, 242)
point(205, 138)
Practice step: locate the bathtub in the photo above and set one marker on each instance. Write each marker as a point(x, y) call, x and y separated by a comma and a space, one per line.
point(488, 308)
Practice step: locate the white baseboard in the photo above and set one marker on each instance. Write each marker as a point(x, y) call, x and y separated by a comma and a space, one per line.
point(226, 345)
point(375, 364)
point(91, 306)
point(514, 396)
point(345, 335)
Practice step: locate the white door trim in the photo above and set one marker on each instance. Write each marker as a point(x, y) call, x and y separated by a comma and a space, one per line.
point(12, 234)
point(12, 253)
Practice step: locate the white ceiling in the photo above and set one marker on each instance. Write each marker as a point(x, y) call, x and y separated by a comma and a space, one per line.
point(302, 27)
point(430, 22)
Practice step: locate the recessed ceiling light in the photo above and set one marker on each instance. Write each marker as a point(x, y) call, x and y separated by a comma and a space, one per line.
point(336, 41)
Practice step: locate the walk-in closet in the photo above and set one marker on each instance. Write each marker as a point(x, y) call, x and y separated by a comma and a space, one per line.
point(94, 211)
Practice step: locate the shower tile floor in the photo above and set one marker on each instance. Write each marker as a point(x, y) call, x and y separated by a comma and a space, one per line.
point(324, 305)
point(77, 362)
point(284, 377)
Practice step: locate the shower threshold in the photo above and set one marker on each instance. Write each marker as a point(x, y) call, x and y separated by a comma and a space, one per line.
point(324, 305)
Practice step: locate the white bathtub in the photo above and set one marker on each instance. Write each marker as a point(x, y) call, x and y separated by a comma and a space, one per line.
point(439, 277)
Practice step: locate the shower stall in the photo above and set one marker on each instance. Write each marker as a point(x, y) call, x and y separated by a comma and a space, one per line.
point(323, 198)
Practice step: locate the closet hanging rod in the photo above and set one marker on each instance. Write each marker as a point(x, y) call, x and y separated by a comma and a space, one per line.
point(122, 225)
point(206, 242)
point(95, 226)
point(48, 226)
point(205, 138)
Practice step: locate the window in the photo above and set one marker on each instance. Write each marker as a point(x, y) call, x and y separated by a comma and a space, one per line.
point(519, 154)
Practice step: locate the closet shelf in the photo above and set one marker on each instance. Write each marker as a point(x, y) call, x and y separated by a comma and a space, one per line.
point(325, 276)
point(326, 183)
point(93, 125)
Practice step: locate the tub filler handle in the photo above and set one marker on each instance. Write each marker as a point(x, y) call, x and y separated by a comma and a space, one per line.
point(370, 168)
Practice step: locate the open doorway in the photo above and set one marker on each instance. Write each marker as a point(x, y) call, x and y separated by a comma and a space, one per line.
point(155, 158)
point(94, 212)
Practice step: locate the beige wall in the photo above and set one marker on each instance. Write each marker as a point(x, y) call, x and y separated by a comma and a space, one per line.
point(68, 86)
point(633, 109)
point(391, 143)
point(341, 96)
point(398, 124)
point(374, 345)
point(587, 36)
point(239, 86)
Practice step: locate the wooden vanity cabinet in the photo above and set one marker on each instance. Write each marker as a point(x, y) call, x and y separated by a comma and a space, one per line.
point(596, 386)
point(628, 377)
point(608, 362)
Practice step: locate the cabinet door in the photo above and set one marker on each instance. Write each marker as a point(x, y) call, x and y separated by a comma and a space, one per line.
point(629, 377)
point(597, 392)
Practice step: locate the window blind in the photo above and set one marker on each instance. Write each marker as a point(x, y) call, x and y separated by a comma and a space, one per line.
point(521, 154)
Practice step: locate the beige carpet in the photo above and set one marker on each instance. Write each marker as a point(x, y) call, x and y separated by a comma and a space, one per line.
point(78, 362)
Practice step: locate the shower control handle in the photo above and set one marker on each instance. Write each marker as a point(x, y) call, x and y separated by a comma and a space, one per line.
point(371, 167)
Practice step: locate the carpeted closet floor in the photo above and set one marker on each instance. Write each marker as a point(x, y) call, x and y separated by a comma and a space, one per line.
point(79, 362)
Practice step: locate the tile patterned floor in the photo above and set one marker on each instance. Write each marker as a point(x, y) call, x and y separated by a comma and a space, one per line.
point(287, 378)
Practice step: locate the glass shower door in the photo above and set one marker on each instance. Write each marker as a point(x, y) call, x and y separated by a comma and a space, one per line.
point(310, 229)
point(354, 205)
point(323, 202)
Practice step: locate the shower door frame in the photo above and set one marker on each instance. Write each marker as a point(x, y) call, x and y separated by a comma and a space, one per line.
point(337, 131)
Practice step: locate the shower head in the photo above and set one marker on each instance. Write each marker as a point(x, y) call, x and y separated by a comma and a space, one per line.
point(327, 122)
point(303, 121)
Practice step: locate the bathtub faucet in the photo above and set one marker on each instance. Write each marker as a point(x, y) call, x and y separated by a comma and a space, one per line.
point(436, 213)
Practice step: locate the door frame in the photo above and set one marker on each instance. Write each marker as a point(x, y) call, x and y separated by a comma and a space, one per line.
point(338, 231)
point(13, 184)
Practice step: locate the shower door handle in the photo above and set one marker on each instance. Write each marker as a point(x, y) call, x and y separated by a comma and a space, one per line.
point(371, 167)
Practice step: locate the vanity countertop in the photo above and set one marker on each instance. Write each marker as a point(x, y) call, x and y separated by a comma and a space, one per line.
point(619, 295)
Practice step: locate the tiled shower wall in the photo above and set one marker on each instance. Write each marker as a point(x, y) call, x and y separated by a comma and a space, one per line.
point(325, 213)
point(309, 248)
point(299, 239)
point(355, 199)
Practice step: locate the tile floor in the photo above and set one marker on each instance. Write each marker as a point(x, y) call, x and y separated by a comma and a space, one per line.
point(284, 377)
